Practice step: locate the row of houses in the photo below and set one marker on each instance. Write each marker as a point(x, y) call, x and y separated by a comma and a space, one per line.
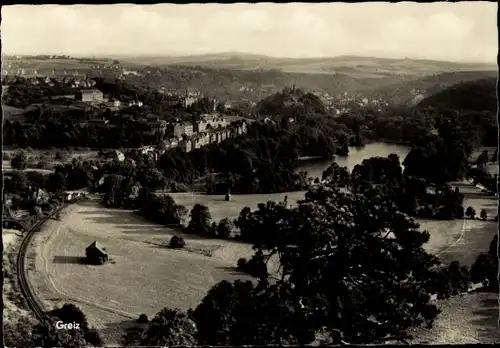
point(207, 121)
point(197, 140)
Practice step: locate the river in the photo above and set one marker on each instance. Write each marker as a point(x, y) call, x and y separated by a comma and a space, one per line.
point(220, 209)
point(315, 168)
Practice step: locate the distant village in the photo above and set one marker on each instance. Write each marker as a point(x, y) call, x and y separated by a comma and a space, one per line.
point(210, 128)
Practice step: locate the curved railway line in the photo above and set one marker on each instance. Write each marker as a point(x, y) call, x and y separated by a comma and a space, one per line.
point(33, 302)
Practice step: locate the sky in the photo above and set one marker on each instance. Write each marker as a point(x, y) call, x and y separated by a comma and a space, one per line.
point(462, 32)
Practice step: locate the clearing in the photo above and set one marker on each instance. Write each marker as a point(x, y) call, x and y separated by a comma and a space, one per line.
point(220, 208)
point(44, 161)
point(473, 317)
point(12, 113)
point(142, 276)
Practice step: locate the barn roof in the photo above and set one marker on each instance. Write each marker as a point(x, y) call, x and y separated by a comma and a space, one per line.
point(98, 246)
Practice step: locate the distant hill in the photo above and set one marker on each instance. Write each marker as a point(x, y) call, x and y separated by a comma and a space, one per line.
point(413, 91)
point(238, 76)
point(477, 95)
point(354, 66)
point(229, 84)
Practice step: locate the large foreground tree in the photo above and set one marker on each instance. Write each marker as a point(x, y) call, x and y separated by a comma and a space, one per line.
point(47, 335)
point(170, 328)
point(351, 266)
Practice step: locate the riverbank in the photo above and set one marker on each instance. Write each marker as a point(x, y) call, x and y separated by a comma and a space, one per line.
point(315, 166)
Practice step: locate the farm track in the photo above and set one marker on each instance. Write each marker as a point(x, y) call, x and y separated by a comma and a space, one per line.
point(33, 302)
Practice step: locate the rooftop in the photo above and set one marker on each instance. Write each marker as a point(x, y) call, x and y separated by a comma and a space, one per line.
point(98, 246)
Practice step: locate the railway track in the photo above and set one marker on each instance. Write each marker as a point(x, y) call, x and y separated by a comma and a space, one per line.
point(33, 302)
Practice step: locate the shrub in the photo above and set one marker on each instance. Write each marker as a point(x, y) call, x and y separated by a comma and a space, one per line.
point(177, 242)
point(242, 263)
point(143, 318)
point(459, 277)
point(470, 212)
point(225, 228)
point(19, 161)
point(485, 268)
point(93, 337)
point(256, 266)
point(483, 214)
point(42, 165)
point(61, 156)
point(176, 187)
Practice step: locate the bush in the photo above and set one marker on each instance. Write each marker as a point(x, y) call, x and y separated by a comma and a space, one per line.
point(93, 337)
point(177, 242)
point(42, 165)
point(225, 228)
point(242, 263)
point(59, 156)
point(177, 187)
point(485, 268)
point(19, 161)
point(256, 266)
point(459, 277)
point(143, 318)
point(470, 212)
point(483, 214)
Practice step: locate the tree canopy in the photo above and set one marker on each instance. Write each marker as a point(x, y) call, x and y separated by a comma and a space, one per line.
point(350, 263)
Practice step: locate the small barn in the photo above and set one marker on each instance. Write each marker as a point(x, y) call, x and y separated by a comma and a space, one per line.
point(96, 254)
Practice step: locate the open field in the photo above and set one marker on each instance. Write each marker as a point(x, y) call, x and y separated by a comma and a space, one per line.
point(468, 319)
point(473, 317)
point(221, 209)
point(45, 161)
point(239, 61)
point(6, 168)
point(142, 276)
point(443, 233)
point(345, 64)
point(11, 113)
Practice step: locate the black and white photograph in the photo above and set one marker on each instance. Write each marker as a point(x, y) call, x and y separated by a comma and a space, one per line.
point(250, 174)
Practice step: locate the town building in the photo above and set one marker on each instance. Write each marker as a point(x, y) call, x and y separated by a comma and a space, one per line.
point(96, 254)
point(196, 142)
point(90, 96)
point(135, 103)
point(186, 145)
point(119, 156)
point(241, 126)
point(215, 120)
point(200, 126)
point(199, 140)
point(146, 149)
point(173, 142)
point(159, 126)
point(163, 146)
point(185, 128)
point(213, 137)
